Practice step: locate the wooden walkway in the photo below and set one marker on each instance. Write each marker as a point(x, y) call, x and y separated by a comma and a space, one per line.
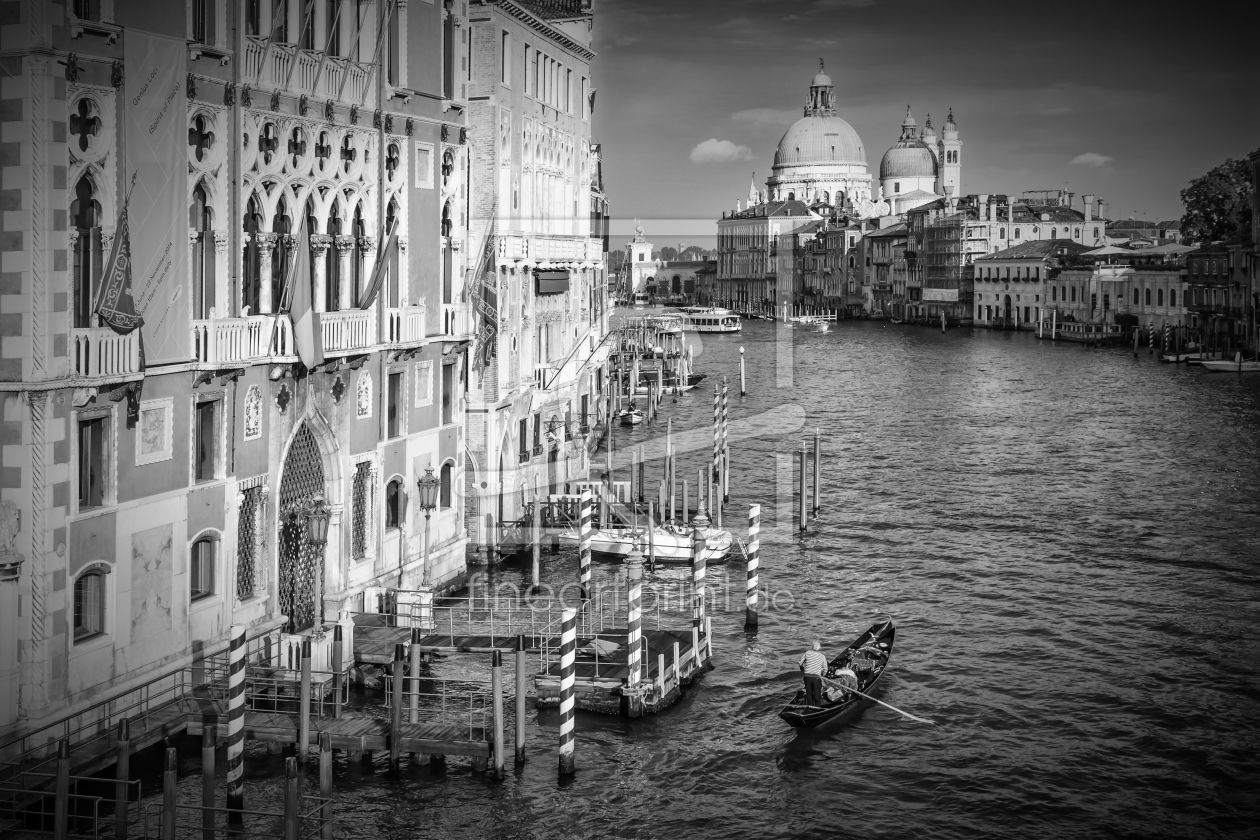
point(374, 645)
point(351, 732)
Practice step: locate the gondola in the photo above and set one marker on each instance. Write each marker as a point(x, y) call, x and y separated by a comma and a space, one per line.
point(869, 669)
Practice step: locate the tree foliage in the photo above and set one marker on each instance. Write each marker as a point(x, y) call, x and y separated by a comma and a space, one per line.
point(667, 254)
point(1218, 204)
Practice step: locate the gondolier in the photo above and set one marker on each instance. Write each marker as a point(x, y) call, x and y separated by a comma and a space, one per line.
point(814, 665)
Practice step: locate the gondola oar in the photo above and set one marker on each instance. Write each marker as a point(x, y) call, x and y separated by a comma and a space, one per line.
point(836, 684)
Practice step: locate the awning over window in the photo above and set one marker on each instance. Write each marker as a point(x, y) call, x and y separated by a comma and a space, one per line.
point(552, 282)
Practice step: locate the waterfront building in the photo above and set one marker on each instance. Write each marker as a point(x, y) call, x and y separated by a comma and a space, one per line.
point(150, 502)
point(538, 272)
point(1013, 286)
point(885, 250)
point(1156, 232)
point(660, 278)
point(1130, 294)
point(747, 251)
point(1218, 292)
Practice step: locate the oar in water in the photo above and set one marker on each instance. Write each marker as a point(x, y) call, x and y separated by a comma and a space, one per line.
point(836, 684)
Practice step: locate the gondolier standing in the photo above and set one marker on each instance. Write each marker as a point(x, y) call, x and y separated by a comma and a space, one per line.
point(814, 665)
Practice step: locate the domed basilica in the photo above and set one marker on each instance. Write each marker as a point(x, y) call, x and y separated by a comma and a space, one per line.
point(821, 161)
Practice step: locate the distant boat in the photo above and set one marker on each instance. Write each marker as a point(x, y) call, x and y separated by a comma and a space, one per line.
point(631, 417)
point(812, 322)
point(1238, 365)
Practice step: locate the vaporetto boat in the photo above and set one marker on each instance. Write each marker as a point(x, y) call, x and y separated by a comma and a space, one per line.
point(711, 319)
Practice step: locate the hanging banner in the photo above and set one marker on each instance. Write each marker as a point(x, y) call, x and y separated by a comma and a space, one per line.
point(155, 130)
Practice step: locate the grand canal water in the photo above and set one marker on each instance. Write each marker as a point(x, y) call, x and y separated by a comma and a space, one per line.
point(1069, 540)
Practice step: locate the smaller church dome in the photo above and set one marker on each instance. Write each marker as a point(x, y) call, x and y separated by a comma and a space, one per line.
point(822, 79)
point(908, 159)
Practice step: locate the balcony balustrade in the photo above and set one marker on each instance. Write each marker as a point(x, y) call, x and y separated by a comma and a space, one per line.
point(348, 331)
point(404, 324)
point(99, 351)
point(340, 79)
point(226, 341)
point(457, 320)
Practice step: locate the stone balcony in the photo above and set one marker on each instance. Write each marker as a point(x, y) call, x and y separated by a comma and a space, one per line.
point(318, 76)
point(555, 249)
point(347, 332)
point(101, 352)
point(225, 342)
point(405, 324)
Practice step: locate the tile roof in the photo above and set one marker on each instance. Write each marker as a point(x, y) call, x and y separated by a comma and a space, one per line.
point(1036, 249)
point(900, 229)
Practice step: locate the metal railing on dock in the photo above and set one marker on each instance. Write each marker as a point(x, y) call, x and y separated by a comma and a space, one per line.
point(465, 705)
point(190, 822)
point(28, 808)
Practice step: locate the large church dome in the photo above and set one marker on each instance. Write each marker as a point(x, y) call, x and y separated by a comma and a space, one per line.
point(819, 139)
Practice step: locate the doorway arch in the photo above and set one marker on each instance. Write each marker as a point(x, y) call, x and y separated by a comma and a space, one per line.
point(1006, 307)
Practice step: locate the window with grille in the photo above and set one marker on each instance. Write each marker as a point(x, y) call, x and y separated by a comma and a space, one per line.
point(89, 605)
point(247, 543)
point(201, 569)
point(361, 513)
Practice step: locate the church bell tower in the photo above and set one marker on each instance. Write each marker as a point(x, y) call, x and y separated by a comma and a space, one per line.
point(950, 158)
point(822, 96)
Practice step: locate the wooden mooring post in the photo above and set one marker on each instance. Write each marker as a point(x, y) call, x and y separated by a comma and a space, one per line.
point(292, 795)
point(817, 471)
point(61, 793)
point(396, 707)
point(521, 678)
point(535, 528)
point(743, 388)
point(326, 785)
point(496, 689)
point(170, 786)
point(208, 735)
point(802, 500)
point(304, 703)
point(338, 664)
point(122, 773)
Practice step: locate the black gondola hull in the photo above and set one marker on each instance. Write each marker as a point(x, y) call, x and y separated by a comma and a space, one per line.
point(801, 716)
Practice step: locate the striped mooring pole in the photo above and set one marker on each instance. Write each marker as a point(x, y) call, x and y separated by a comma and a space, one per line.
point(584, 544)
point(717, 435)
point(725, 476)
point(698, 547)
point(1167, 337)
point(754, 549)
point(1150, 337)
point(568, 646)
point(236, 726)
point(634, 621)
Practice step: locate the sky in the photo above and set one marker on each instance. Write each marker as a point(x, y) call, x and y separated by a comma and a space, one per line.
point(1129, 102)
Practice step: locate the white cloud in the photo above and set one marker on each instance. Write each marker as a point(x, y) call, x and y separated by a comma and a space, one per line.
point(767, 116)
point(1091, 159)
point(714, 150)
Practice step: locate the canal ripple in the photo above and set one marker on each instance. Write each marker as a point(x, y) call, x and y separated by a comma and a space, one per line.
point(1068, 541)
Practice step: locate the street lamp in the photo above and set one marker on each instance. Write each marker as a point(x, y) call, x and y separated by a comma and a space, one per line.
point(317, 515)
point(428, 486)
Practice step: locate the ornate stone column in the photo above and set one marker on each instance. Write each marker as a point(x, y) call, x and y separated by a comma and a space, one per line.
point(34, 695)
point(401, 281)
point(225, 303)
point(266, 246)
point(345, 250)
point(319, 244)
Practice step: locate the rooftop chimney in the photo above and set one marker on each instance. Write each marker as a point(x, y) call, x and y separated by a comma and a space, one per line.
point(982, 203)
point(1101, 215)
point(1089, 207)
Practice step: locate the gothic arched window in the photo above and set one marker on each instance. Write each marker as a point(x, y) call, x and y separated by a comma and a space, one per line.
point(252, 285)
point(85, 217)
point(200, 220)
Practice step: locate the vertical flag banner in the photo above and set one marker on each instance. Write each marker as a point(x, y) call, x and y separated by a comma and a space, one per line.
point(155, 117)
point(378, 271)
point(114, 303)
point(307, 334)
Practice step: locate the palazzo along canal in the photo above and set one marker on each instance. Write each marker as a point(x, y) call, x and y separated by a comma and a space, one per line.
point(1069, 540)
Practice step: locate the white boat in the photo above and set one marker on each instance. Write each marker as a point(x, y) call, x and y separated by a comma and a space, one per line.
point(631, 417)
point(814, 323)
point(1236, 366)
point(672, 543)
point(711, 319)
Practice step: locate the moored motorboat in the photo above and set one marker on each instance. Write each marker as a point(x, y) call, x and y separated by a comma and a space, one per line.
point(672, 543)
point(631, 417)
point(868, 656)
point(1236, 366)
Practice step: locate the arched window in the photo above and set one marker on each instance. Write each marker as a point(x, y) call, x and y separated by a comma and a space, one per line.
point(200, 220)
point(1073, 294)
point(1054, 293)
point(201, 565)
point(393, 278)
point(1076, 233)
point(89, 604)
point(1054, 233)
point(444, 494)
point(1017, 233)
point(791, 196)
point(1172, 297)
point(1095, 233)
point(332, 261)
point(1159, 297)
point(394, 504)
point(282, 225)
point(1136, 300)
point(357, 260)
point(251, 289)
point(85, 216)
point(1001, 233)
